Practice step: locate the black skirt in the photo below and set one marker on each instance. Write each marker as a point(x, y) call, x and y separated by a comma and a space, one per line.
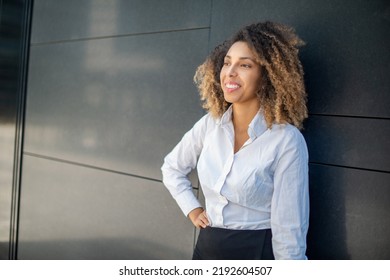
point(228, 244)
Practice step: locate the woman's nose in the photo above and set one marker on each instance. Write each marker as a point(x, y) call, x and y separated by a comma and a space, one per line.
point(231, 71)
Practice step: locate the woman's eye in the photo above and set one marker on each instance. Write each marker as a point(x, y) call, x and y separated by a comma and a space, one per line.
point(246, 65)
point(226, 63)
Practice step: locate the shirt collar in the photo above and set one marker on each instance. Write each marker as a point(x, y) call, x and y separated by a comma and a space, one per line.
point(257, 126)
point(226, 117)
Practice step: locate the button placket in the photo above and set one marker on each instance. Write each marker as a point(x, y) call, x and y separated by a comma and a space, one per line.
point(222, 201)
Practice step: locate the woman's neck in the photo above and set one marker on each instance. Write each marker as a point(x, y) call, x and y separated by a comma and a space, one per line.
point(243, 115)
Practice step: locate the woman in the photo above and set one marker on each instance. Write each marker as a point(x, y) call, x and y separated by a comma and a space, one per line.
point(252, 161)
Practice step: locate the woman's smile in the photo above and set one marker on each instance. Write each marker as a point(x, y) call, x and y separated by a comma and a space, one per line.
point(232, 86)
point(240, 75)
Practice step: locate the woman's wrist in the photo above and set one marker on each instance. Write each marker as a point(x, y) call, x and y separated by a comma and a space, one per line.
point(194, 214)
point(199, 218)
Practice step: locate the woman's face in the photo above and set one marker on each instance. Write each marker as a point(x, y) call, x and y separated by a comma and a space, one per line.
point(240, 75)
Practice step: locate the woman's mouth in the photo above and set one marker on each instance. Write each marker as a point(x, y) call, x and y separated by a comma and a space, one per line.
point(232, 86)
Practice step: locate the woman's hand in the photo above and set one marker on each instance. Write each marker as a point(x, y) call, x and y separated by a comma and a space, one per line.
point(198, 217)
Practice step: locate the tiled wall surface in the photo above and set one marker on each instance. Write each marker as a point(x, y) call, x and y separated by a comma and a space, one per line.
point(110, 92)
point(14, 43)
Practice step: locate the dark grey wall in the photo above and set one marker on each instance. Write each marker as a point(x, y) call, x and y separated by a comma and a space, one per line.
point(110, 92)
point(14, 40)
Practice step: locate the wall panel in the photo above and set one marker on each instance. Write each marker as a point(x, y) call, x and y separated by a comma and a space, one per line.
point(73, 212)
point(353, 142)
point(15, 17)
point(116, 103)
point(350, 214)
point(73, 19)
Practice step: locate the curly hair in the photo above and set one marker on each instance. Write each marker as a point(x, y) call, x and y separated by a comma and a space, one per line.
point(281, 94)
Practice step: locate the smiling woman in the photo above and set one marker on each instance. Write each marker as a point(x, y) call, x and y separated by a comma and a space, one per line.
point(282, 90)
point(240, 76)
point(252, 161)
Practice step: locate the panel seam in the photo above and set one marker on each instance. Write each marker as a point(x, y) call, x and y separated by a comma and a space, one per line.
point(116, 36)
point(348, 116)
point(349, 167)
point(90, 166)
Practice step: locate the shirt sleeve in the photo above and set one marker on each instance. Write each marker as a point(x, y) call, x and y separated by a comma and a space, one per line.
point(290, 201)
point(179, 163)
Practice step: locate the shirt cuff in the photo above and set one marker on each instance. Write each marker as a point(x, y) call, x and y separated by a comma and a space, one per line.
point(187, 201)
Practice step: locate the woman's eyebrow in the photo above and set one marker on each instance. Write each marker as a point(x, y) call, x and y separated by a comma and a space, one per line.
point(242, 58)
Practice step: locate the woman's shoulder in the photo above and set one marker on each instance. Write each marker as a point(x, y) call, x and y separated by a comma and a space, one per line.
point(203, 126)
point(287, 132)
point(207, 121)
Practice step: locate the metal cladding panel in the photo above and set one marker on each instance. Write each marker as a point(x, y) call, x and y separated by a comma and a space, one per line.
point(9, 98)
point(346, 58)
point(116, 103)
point(74, 19)
point(14, 34)
point(350, 214)
point(7, 142)
point(355, 142)
point(74, 212)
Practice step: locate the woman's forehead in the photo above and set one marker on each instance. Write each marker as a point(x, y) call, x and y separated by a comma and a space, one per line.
point(240, 49)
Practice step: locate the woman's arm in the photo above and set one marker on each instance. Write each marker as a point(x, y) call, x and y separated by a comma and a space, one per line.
point(179, 163)
point(290, 201)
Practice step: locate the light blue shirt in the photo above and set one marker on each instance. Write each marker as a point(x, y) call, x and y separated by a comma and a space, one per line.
point(263, 185)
